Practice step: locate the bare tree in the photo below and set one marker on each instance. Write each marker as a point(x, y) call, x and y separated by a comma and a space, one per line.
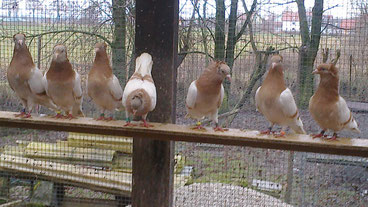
point(220, 30)
point(118, 44)
point(308, 50)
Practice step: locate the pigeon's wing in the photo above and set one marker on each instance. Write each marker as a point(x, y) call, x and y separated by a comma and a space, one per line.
point(287, 103)
point(256, 98)
point(222, 94)
point(77, 88)
point(35, 81)
point(115, 89)
point(192, 95)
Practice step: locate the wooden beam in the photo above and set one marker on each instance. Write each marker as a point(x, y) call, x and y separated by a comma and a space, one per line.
point(251, 138)
point(105, 181)
point(156, 33)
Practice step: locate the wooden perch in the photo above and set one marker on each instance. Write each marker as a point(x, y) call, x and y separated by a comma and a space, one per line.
point(160, 131)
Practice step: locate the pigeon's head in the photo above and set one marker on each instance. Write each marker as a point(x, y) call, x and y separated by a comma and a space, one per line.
point(223, 70)
point(276, 62)
point(277, 58)
point(101, 46)
point(326, 70)
point(60, 53)
point(19, 40)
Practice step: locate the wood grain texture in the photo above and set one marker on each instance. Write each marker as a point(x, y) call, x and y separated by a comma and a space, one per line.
point(153, 160)
point(252, 138)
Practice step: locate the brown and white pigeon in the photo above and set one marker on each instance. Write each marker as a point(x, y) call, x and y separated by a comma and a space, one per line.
point(205, 95)
point(26, 79)
point(63, 84)
point(102, 85)
point(276, 102)
point(327, 107)
point(139, 96)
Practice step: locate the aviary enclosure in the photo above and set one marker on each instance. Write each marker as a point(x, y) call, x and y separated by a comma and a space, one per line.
point(61, 168)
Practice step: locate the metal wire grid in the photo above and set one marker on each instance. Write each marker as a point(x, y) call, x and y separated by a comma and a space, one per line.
point(212, 175)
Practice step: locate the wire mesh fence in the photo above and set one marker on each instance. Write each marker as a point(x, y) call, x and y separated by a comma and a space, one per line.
point(83, 168)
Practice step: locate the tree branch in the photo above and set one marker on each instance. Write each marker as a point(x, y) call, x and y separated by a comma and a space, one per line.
point(251, 38)
point(195, 52)
point(245, 46)
point(304, 29)
point(249, 14)
point(316, 24)
point(205, 24)
point(329, 8)
point(224, 115)
point(67, 31)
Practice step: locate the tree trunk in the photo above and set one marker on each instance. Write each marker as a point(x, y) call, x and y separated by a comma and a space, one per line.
point(230, 47)
point(118, 45)
point(306, 78)
point(220, 30)
point(231, 38)
point(308, 50)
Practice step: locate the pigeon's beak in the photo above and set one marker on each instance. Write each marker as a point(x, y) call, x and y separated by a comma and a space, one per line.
point(20, 42)
point(273, 65)
point(315, 71)
point(228, 77)
point(56, 55)
point(134, 112)
point(97, 49)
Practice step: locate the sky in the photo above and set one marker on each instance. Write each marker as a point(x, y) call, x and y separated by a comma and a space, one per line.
point(342, 8)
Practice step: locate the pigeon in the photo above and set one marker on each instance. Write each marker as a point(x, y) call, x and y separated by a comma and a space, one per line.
point(327, 107)
point(102, 85)
point(139, 96)
point(205, 95)
point(63, 85)
point(276, 102)
point(25, 79)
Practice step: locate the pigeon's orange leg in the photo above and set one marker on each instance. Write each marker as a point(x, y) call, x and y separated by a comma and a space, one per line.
point(198, 126)
point(21, 114)
point(109, 118)
point(27, 115)
point(321, 134)
point(58, 115)
point(145, 124)
point(217, 128)
point(128, 123)
point(70, 116)
point(101, 117)
point(333, 138)
point(281, 134)
point(268, 131)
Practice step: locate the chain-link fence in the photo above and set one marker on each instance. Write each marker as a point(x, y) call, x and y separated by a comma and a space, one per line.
point(45, 167)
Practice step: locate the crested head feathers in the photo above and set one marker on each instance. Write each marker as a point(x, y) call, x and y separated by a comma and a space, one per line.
point(326, 69)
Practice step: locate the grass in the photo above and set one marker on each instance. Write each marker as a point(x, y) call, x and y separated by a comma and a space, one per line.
point(235, 169)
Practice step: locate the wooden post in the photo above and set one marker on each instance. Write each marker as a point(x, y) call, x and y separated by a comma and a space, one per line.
point(153, 160)
point(58, 194)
